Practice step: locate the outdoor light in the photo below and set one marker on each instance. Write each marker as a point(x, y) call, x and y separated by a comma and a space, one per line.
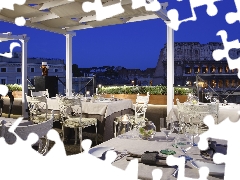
point(100, 86)
point(88, 93)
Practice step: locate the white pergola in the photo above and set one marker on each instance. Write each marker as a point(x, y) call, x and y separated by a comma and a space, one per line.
point(65, 17)
point(23, 39)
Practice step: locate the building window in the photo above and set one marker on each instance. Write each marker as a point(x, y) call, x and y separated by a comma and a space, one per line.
point(3, 69)
point(204, 69)
point(18, 69)
point(3, 80)
point(220, 84)
point(233, 83)
point(213, 69)
point(213, 83)
point(32, 69)
point(196, 69)
point(188, 83)
point(18, 80)
point(227, 84)
point(55, 70)
point(220, 69)
point(188, 70)
point(226, 69)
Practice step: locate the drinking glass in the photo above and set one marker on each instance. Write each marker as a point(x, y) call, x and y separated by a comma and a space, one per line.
point(193, 130)
point(167, 133)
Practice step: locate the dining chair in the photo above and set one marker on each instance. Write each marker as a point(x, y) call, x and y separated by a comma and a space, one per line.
point(40, 93)
point(71, 116)
point(23, 131)
point(139, 117)
point(38, 109)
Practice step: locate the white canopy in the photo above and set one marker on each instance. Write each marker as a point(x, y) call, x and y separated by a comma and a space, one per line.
point(66, 16)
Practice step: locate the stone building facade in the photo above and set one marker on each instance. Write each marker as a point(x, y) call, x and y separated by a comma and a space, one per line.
point(192, 59)
point(11, 69)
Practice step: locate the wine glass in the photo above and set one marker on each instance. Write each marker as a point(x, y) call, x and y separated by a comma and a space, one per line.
point(193, 130)
point(167, 133)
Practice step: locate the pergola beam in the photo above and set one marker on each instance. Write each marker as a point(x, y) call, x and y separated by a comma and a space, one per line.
point(55, 3)
point(44, 18)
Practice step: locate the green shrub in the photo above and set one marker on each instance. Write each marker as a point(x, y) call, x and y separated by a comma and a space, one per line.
point(14, 87)
point(153, 90)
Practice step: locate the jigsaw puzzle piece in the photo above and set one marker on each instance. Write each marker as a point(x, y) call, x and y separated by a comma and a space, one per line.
point(9, 4)
point(12, 46)
point(232, 17)
point(58, 150)
point(150, 5)
point(157, 174)
point(109, 9)
point(219, 54)
point(173, 14)
point(180, 162)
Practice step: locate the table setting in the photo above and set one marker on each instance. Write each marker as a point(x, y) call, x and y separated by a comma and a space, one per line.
point(152, 153)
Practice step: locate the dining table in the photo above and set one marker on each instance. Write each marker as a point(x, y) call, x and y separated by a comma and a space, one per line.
point(225, 111)
point(125, 143)
point(105, 110)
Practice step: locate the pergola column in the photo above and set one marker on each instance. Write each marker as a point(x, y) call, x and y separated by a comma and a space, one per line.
point(170, 69)
point(69, 64)
point(24, 76)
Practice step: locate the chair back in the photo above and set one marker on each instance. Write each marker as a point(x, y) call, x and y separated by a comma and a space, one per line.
point(141, 105)
point(70, 107)
point(40, 93)
point(37, 106)
point(196, 113)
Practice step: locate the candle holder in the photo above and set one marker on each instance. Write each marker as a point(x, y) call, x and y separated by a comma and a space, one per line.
point(88, 94)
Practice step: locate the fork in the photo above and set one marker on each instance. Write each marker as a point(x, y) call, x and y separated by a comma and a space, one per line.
point(122, 155)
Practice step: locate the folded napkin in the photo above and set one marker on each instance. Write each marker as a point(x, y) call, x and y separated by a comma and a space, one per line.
point(149, 158)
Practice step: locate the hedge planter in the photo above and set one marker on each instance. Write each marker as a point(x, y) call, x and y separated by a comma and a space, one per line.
point(17, 94)
point(153, 99)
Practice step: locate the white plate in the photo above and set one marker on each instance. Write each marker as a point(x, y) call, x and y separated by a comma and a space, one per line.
point(98, 151)
point(214, 169)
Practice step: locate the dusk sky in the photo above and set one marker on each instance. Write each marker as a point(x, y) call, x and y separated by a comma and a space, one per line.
point(132, 45)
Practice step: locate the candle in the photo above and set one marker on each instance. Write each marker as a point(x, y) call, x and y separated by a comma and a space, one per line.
point(96, 90)
point(124, 119)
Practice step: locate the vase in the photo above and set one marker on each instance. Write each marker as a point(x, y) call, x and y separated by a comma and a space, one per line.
point(148, 131)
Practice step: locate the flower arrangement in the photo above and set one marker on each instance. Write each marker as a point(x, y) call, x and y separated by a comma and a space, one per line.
point(145, 133)
point(153, 90)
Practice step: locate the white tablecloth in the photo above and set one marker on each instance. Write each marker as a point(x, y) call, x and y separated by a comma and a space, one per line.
point(158, 143)
point(105, 108)
point(229, 111)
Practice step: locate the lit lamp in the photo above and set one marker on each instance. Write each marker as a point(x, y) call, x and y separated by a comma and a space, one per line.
point(125, 119)
point(44, 68)
point(133, 83)
point(88, 93)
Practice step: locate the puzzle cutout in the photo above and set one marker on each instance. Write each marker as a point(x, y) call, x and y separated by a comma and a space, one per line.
point(113, 8)
point(174, 16)
point(232, 17)
point(12, 46)
point(86, 164)
point(9, 4)
point(219, 54)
